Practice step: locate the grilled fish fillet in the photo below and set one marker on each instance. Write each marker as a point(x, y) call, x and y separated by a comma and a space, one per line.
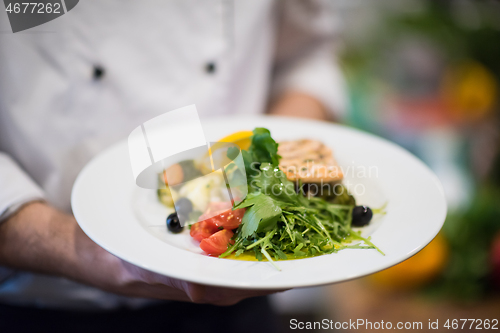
point(308, 160)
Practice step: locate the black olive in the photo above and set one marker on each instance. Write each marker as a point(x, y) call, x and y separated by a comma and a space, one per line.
point(361, 216)
point(173, 223)
point(184, 206)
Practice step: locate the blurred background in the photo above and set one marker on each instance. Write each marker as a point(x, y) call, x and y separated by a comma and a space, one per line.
point(426, 75)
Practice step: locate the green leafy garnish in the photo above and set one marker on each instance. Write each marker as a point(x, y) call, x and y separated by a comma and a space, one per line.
point(262, 214)
point(281, 223)
point(263, 149)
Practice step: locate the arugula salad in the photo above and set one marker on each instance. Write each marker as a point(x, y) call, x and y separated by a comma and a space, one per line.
point(278, 219)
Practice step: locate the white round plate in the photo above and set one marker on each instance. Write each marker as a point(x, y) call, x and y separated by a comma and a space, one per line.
point(130, 223)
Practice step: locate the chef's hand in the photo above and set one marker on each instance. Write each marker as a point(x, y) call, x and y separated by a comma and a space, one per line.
point(298, 104)
point(42, 239)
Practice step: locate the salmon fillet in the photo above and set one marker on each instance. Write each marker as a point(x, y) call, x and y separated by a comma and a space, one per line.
point(308, 160)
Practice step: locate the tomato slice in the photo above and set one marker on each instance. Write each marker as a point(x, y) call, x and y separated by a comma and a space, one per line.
point(220, 215)
point(217, 243)
point(202, 230)
point(230, 219)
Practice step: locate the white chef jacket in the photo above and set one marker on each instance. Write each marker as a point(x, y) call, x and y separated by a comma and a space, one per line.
point(73, 86)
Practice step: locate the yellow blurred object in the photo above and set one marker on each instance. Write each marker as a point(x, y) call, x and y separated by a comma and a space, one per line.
point(242, 138)
point(416, 271)
point(470, 90)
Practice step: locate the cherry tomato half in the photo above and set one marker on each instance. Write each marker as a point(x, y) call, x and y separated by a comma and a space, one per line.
point(217, 243)
point(220, 215)
point(202, 230)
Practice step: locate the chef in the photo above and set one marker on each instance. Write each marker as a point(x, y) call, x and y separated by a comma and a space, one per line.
point(73, 86)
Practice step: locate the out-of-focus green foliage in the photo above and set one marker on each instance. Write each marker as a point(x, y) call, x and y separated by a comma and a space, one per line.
point(470, 237)
point(437, 24)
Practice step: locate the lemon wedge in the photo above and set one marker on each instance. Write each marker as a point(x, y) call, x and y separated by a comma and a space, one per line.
point(242, 138)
